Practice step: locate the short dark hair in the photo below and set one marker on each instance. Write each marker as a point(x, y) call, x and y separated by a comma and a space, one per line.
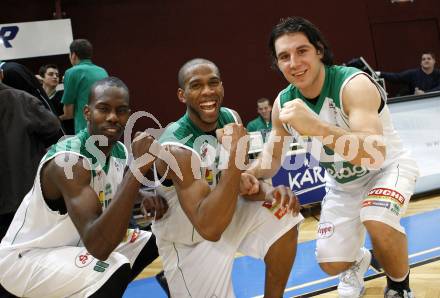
point(299, 24)
point(82, 48)
point(429, 53)
point(108, 82)
point(263, 99)
point(191, 63)
point(43, 69)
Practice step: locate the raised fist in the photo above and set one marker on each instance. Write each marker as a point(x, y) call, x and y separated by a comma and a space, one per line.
point(296, 114)
point(145, 150)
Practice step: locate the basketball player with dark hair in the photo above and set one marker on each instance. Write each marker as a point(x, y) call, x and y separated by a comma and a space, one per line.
point(340, 115)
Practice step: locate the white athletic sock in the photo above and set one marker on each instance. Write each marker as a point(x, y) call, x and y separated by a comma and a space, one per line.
point(399, 279)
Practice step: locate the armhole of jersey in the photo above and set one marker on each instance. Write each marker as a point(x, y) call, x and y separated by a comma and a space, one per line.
point(126, 153)
point(285, 126)
point(38, 176)
point(382, 93)
point(70, 152)
point(157, 180)
point(233, 114)
point(177, 144)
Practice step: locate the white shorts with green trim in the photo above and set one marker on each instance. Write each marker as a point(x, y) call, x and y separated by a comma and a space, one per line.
point(67, 271)
point(383, 198)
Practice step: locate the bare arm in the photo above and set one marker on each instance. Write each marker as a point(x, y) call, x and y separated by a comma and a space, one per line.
point(361, 101)
point(68, 112)
point(209, 211)
point(362, 144)
point(101, 231)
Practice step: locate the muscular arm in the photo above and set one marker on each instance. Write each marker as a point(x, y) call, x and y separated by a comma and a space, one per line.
point(361, 101)
point(100, 231)
point(269, 160)
point(209, 211)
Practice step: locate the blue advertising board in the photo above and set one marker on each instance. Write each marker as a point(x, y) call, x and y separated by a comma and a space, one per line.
point(304, 176)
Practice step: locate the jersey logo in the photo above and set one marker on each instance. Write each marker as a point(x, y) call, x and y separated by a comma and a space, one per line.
point(325, 230)
point(100, 266)
point(386, 194)
point(275, 209)
point(83, 259)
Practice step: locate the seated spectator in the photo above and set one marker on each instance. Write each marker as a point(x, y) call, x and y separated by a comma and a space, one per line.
point(418, 80)
point(263, 122)
point(50, 78)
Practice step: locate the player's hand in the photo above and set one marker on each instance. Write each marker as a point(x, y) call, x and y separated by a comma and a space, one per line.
point(418, 91)
point(296, 114)
point(234, 131)
point(145, 150)
point(284, 196)
point(154, 207)
point(234, 137)
point(249, 185)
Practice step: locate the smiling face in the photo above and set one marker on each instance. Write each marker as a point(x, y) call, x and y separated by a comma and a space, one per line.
point(203, 95)
point(108, 112)
point(300, 62)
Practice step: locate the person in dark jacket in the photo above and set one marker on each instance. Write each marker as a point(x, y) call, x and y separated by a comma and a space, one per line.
point(418, 80)
point(27, 128)
point(18, 76)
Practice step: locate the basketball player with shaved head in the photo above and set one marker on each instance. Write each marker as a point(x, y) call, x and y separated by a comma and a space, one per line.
point(208, 221)
point(69, 237)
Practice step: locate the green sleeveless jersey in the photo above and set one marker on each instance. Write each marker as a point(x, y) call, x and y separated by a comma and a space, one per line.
point(329, 108)
point(184, 133)
point(175, 225)
point(107, 172)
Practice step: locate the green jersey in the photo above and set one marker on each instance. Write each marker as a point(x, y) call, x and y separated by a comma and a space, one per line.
point(329, 108)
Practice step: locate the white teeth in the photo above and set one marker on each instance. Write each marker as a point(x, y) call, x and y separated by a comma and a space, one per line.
point(299, 73)
point(207, 104)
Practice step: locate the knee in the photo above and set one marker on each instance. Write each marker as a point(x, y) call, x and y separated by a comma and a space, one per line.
point(335, 268)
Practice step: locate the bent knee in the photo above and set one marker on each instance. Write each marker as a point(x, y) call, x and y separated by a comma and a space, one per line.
point(335, 268)
point(381, 231)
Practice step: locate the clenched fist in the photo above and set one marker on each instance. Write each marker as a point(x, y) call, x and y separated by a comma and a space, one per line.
point(296, 114)
point(285, 197)
point(145, 150)
point(235, 140)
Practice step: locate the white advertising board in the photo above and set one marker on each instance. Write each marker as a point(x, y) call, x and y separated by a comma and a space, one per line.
point(35, 39)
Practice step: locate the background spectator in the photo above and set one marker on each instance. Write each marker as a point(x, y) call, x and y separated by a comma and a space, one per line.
point(78, 80)
point(50, 78)
point(417, 80)
point(263, 122)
